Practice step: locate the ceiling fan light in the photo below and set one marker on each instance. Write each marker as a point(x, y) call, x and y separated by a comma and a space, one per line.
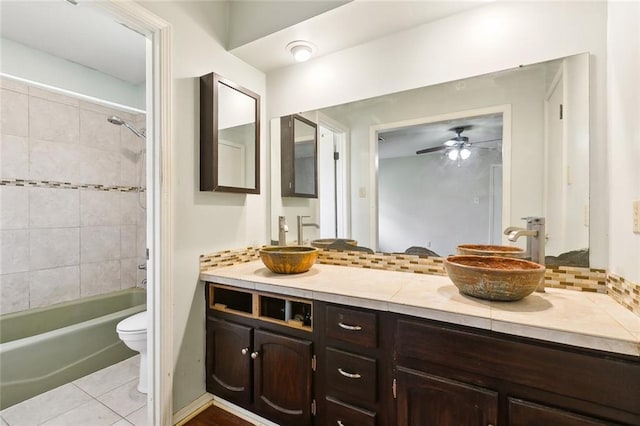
point(465, 153)
point(453, 154)
point(451, 142)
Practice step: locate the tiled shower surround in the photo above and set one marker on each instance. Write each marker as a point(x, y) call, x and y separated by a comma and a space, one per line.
point(71, 220)
point(624, 292)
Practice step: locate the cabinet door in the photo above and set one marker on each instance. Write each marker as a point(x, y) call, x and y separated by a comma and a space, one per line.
point(424, 399)
point(228, 361)
point(524, 413)
point(282, 378)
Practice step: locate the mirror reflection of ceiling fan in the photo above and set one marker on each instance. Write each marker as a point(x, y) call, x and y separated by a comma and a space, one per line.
point(458, 147)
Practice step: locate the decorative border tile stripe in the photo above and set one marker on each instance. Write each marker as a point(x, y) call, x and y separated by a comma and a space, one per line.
point(229, 258)
point(387, 262)
point(625, 292)
point(576, 278)
point(67, 185)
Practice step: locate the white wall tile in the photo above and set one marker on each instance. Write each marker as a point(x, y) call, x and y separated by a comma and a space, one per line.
point(53, 248)
point(129, 208)
point(99, 167)
point(14, 113)
point(14, 251)
point(130, 168)
point(99, 208)
point(128, 240)
point(97, 132)
point(14, 85)
point(45, 406)
point(15, 292)
point(55, 161)
point(53, 96)
point(53, 121)
point(14, 161)
point(100, 243)
point(14, 207)
point(54, 208)
point(99, 278)
point(55, 285)
point(128, 273)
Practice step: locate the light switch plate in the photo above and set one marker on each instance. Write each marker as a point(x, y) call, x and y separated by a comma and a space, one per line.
point(636, 217)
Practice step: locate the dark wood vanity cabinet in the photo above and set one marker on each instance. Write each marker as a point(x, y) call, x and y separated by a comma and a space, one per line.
point(259, 365)
point(451, 375)
point(376, 368)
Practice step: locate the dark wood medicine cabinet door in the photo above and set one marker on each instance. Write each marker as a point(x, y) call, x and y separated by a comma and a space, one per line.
point(299, 157)
point(229, 136)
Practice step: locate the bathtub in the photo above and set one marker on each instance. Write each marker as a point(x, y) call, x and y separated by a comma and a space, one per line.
point(44, 348)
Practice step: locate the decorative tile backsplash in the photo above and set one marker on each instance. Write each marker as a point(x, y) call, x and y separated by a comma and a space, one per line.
point(625, 292)
point(67, 185)
point(566, 277)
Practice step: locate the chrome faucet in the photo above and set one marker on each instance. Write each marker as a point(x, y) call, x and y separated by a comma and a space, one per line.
point(535, 243)
point(302, 225)
point(282, 231)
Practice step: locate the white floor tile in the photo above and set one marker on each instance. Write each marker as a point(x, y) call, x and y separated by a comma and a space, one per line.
point(138, 417)
point(124, 399)
point(2, 422)
point(107, 379)
point(45, 406)
point(92, 413)
point(121, 422)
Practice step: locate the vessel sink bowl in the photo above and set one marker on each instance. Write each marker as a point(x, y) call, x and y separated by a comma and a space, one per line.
point(289, 259)
point(494, 277)
point(323, 243)
point(490, 250)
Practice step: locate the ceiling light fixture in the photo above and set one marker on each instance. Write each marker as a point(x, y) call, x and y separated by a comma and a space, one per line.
point(301, 50)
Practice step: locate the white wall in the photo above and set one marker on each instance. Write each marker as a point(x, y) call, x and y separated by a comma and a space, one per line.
point(202, 222)
point(35, 65)
point(495, 37)
point(623, 137)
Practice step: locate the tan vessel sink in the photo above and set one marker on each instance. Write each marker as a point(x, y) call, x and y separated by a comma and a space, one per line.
point(289, 259)
point(490, 250)
point(494, 277)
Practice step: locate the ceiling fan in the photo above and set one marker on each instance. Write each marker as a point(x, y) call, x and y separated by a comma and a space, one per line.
point(457, 147)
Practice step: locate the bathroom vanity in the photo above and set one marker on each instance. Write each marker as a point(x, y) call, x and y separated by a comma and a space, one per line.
point(349, 346)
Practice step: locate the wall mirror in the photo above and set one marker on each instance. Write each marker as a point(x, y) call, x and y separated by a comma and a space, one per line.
point(298, 157)
point(229, 136)
point(528, 130)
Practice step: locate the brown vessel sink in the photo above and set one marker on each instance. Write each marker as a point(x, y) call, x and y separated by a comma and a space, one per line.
point(289, 259)
point(494, 277)
point(323, 243)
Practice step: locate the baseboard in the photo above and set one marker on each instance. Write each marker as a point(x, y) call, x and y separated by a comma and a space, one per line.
point(242, 413)
point(193, 409)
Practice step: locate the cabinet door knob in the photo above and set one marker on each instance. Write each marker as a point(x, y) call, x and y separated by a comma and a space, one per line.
point(340, 423)
point(349, 375)
point(349, 327)
point(244, 351)
point(254, 355)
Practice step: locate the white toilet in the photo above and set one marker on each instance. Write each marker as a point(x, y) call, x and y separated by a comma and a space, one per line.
point(133, 332)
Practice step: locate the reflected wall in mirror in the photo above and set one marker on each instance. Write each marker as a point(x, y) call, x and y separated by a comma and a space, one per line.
point(544, 157)
point(229, 136)
point(298, 151)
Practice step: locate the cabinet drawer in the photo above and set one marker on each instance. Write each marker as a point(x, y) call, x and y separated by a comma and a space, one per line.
point(342, 414)
point(352, 326)
point(351, 377)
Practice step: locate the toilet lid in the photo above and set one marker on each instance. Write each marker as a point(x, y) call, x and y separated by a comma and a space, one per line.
point(137, 322)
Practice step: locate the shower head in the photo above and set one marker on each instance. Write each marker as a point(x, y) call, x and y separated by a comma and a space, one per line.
point(114, 119)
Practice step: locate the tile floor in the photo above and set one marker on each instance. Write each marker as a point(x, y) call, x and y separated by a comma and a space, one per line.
point(104, 398)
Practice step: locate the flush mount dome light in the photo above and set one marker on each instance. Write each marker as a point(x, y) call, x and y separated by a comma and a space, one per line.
point(301, 50)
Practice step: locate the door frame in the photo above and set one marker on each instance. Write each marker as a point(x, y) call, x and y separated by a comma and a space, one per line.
point(159, 200)
point(505, 109)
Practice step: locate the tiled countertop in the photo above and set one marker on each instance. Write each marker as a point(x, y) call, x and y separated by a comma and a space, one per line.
point(589, 320)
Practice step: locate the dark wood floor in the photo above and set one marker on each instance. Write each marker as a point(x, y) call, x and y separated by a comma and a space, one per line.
point(216, 416)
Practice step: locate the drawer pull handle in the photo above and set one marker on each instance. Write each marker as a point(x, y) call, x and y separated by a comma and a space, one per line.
point(349, 375)
point(340, 423)
point(349, 327)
